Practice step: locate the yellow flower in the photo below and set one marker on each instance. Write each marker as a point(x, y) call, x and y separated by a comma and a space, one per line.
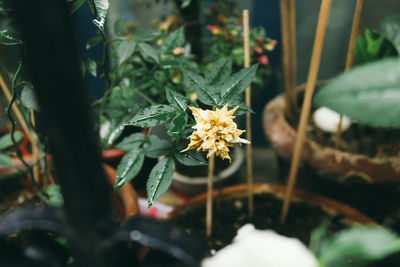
point(215, 132)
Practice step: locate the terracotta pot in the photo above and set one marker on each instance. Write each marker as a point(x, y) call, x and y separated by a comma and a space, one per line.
point(331, 207)
point(328, 160)
point(127, 202)
point(191, 186)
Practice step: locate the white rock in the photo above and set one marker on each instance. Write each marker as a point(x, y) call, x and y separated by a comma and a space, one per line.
point(328, 120)
point(262, 248)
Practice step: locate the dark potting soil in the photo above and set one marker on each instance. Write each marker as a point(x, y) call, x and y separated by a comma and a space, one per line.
point(360, 139)
point(229, 214)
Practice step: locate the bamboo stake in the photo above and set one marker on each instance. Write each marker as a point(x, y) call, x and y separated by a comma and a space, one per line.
point(35, 152)
point(293, 54)
point(350, 56)
point(286, 55)
point(305, 112)
point(17, 112)
point(249, 153)
point(211, 161)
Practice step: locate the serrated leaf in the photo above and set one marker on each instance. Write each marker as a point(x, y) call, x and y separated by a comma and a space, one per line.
point(28, 98)
point(170, 63)
point(9, 38)
point(91, 67)
point(190, 158)
point(6, 160)
point(152, 116)
point(55, 197)
point(360, 244)
point(178, 124)
point(219, 71)
point(237, 83)
point(391, 27)
point(131, 142)
point(160, 179)
point(206, 94)
point(129, 167)
point(92, 42)
point(369, 94)
point(149, 53)
point(157, 147)
point(77, 4)
point(145, 35)
point(176, 99)
point(6, 141)
point(243, 108)
point(174, 39)
point(101, 8)
point(125, 49)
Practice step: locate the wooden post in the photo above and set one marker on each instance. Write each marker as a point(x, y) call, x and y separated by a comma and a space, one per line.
point(350, 56)
point(311, 81)
point(249, 152)
point(293, 54)
point(211, 161)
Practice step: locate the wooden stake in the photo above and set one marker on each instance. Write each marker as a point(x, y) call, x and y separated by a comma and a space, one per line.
point(286, 56)
point(305, 112)
point(293, 54)
point(211, 161)
point(350, 55)
point(35, 152)
point(249, 152)
point(17, 112)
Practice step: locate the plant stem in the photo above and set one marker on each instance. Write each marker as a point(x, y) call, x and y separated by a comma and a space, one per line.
point(15, 144)
point(311, 81)
point(292, 37)
point(211, 161)
point(249, 153)
point(145, 97)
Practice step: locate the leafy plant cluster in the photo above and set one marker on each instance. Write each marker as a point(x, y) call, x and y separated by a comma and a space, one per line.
point(215, 89)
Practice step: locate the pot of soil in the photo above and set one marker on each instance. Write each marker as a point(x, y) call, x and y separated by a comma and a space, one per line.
point(230, 212)
point(191, 181)
point(365, 153)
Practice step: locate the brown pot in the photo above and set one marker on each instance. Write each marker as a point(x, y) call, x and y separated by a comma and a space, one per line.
point(328, 160)
point(331, 207)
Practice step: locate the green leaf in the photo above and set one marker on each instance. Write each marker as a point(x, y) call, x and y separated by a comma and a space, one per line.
point(190, 158)
point(243, 108)
point(391, 27)
point(131, 142)
point(77, 4)
point(369, 94)
point(174, 39)
point(9, 38)
point(91, 67)
point(152, 116)
point(160, 179)
point(125, 49)
point(149, 53)
point(157, 147)
point(28, 98)
point(145, 35)
point(101, 8)
point(237, 83)
point(186, 3)
point(6, 141)
point(55, 197)
point(360, 244)
point(6, 160)
point(170, 63)
point(119, 27)
point(92, 42)
point(206, 94)
point(178, 124)
point(176, 99)
point(219, 71)
point(129, 167)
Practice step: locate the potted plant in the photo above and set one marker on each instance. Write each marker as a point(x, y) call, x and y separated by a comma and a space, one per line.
point(362, 152)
